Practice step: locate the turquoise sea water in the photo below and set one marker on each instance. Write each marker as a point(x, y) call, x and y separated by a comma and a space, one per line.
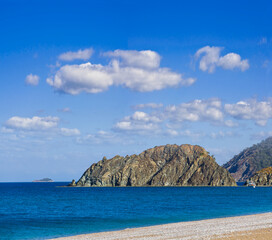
point(44, 210)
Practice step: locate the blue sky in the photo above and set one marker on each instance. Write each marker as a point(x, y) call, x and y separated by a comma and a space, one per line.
point(80, 80)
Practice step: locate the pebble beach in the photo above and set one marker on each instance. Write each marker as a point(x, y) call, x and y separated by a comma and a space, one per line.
point(248, 227)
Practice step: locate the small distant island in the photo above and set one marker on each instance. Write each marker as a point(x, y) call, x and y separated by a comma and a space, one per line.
point(44, 180)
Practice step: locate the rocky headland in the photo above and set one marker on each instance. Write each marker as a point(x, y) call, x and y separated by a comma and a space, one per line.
point(169, 165)
point(263, 177)
point(244, 165)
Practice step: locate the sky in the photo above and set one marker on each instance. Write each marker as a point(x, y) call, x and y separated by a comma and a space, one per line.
point(80, 80)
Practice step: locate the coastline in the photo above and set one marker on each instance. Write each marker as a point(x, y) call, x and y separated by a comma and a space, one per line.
point(257, 226)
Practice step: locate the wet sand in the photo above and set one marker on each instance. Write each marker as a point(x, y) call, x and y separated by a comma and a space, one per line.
point(249, 227)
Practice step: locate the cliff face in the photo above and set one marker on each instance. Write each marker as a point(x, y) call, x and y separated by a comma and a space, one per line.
point(250, 160)
point(169, 165)
point(263, 177)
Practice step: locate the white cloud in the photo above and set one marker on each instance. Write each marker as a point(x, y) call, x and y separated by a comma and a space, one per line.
point(188, 81)
point(233, 60)
point(69, 132)
point(139, 59)
point(32, 79)
point(170, 119)
point(136, 70)
point(172, 132)
point(84, 54)
point(260, 112)
point(142, 116)
point(210, 59)
point(230, 123)
point(39, 125)
point(148, 105)
point(6, 130)
point(73, 79)
point(158, 121)
point(34, 123)
point(139, 121)
point(197, 110)
point(211, 56)
point(145, 80)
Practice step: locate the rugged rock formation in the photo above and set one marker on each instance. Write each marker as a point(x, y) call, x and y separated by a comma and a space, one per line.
point(263, 177)
point(73, 183)
point(250, 160)
point(169, 165)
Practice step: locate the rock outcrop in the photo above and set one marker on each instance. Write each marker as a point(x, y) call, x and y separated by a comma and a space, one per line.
point(250, 160)
point(263, 177)
point(72, 184)
point(169, 165)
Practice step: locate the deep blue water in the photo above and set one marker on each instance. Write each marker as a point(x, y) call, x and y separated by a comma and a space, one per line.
point(43, 210)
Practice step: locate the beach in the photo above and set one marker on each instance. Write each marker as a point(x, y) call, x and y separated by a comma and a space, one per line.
point(258, 226)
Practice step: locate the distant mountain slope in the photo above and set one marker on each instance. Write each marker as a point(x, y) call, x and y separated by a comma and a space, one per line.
point(250, 160)
point(169, 165)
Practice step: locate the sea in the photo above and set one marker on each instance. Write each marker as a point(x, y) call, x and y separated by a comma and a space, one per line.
point(48, 210)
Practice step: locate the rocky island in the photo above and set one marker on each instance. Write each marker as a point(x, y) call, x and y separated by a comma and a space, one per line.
point(169, 165)
point(43, 180)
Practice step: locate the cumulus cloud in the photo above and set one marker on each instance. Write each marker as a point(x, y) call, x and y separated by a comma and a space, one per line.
point(136, 70)
point(168, 120)
point(74, 79)
point(230, 123)
point(69, 132)
point(140, 59)
point(158, 121)
point(197, 110)
point(210, 59)
point(37, 124)
point(139, 121)
point(84, 54)
point(260, 112)
point(34, 123)
point(32, 79)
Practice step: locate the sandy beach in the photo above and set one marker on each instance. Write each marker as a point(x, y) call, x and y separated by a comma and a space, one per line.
point(249, 227)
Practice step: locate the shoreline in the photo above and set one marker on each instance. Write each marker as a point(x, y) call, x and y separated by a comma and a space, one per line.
point(257, 226)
